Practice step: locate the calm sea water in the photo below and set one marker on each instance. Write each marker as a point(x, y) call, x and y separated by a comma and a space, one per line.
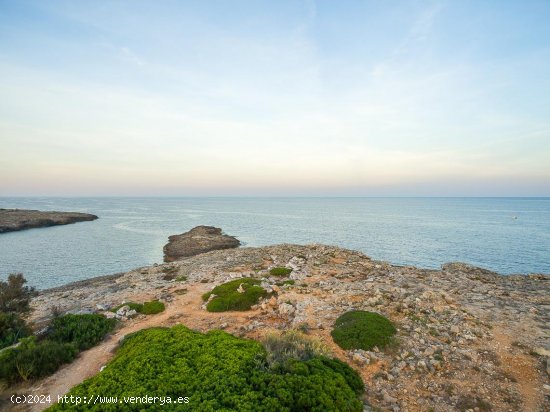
point(508, 235)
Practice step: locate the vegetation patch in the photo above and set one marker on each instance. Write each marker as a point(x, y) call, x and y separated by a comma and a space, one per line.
point(362, 330)
point(181, 278)
point(238, 294)
point(280, 271)
point(15, 297)
point(152, 308)
point(291, 344)
point(12, 328)
point(147, 308)
point(84, 331)
point(218, 371)
point(35, 358)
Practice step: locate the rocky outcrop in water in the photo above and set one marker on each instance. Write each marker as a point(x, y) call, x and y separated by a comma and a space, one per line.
point(198, 240)
point(12, 220)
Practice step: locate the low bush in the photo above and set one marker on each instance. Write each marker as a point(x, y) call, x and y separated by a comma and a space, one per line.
point(217, 371)
point(362, 330)
point(34, 359)
point(152, 308)
point(84, 331)
point(12, 328)
point(65, 337)
point(238, 294)
point(280, 271)
point(147, 308)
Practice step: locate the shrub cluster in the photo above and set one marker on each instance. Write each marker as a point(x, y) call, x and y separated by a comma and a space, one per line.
point(362, 330)
point(280, 271)
point(84, 331)
point(34, 359)
point(238, 294)
point(217, 371)
point(67, 335)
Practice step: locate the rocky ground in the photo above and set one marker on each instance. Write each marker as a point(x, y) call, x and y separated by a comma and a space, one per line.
point(19, 219)
point(468, 339)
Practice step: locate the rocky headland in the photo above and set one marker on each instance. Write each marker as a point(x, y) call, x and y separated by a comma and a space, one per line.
point(468, 339)
point(198, 240)
point(12, 220)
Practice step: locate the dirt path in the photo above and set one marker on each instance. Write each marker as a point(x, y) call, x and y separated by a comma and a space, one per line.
point(521, 367)
point(183, 309)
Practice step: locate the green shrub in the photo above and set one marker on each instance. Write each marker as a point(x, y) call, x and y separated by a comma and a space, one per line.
point(33, 359)
point(152, 308)
point(147, 308)
point(280, 271)
point(84, 331)
point(138, 307)
point(12, 328)
point(217, 371)
point(229, 298)
point(181, 278)
point(14, 296)
point(362, 330)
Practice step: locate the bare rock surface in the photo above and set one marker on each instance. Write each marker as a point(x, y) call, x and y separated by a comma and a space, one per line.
point(12, 220)
point(468, 339)
point(198, 240)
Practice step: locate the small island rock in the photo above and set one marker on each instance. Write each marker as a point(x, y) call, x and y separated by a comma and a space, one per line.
point(198, 240)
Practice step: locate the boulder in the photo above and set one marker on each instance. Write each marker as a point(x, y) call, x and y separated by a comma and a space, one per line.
point(198, 240)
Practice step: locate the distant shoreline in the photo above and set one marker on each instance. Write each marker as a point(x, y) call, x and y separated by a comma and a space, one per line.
point(13, 220)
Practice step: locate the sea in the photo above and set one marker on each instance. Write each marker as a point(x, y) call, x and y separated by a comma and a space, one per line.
point(506, 235)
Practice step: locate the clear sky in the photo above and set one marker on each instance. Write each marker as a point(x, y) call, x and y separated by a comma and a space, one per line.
point(371, 98)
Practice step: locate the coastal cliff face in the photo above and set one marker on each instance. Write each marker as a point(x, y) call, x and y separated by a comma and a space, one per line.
point(467, 338)
point(12, 220)
point(198, 240)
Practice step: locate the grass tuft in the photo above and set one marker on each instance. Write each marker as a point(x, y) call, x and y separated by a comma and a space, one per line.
point(280, 271)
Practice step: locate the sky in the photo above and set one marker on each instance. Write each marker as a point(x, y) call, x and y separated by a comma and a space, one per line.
point(275, 98)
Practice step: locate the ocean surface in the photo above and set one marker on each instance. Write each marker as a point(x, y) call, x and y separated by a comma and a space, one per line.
point(507, 235)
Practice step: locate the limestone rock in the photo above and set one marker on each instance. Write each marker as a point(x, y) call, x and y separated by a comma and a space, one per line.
point(198, 240)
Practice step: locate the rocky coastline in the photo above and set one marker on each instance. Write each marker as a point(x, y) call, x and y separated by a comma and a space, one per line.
point(12, 220)
point(468, 339)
